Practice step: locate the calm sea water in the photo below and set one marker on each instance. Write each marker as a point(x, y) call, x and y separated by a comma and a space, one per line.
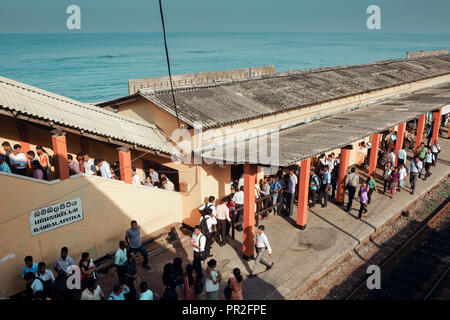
point(96, 67)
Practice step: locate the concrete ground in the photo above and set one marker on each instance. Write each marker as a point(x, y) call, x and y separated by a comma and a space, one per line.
point(299, 256)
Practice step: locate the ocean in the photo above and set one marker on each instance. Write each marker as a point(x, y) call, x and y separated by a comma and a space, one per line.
point(96, 67)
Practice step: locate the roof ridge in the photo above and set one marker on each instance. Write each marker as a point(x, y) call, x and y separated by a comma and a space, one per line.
point(280, 74)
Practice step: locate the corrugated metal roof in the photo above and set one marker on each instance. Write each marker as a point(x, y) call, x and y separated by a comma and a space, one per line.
point(308, 140)
point(234, 101)
point(37, 103)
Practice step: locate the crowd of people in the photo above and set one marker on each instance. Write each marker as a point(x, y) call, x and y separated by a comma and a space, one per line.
point(396, 170)
point(325, 172)
point(180, 283)
point(39, 165)
point(215, 221)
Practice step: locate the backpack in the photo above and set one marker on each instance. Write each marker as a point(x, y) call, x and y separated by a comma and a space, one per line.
point(206, 210)
point(204, 225)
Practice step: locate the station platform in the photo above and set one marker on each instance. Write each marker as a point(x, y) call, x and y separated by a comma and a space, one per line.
point(300, 256)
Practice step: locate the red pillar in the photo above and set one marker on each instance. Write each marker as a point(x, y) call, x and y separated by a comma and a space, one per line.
point(374, 153)
point(343, 167)
point(303, 189)
point(250, 172)
point(419, 134)
point(400, 137)
point(126, 172)
point(437, 124)
point(60, 156)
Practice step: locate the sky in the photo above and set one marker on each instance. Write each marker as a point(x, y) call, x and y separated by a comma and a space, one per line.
point(397, 16)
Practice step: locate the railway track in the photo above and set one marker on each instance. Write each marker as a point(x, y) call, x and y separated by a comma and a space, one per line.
point(417, 268)
point(440, 283)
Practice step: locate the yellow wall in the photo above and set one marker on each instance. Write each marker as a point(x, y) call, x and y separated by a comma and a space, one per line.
point(202, 180)
point(108, 208)
point(139, 109)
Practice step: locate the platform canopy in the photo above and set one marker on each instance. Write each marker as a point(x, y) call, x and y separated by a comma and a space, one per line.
point(317, 137)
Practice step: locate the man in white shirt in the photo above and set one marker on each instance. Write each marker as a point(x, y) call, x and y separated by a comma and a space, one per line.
point(135, 178)
point(241, 181)
point(154, 175)
point(210, 223)
point(210, 205)
point(238, 199)
point(105, 169)
point(63, 262)
point(168, 185)
point(401, 157)
point(93, 291)
point(330, 163)
point(146, 293)
point(18, 160)
point(435, 148)
point(34, 284)
point(198, 242)
point(89, 165)
point(322, 160)
point(293, 176)
point(261, 243)
point(119, 260)
point(415, 167)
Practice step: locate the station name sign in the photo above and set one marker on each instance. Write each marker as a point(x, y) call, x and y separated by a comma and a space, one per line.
point(55, 216)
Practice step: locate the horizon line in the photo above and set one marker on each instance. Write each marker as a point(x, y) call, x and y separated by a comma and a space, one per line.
point(236, 32)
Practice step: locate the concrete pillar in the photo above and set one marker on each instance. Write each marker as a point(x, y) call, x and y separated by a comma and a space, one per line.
point(126, 172)
point(437, 124)
point(419, 134)
point(374, 153)
point(303, 190)
point(343, 167)
point(400, 137)
point(250, 172)
point(60, 156)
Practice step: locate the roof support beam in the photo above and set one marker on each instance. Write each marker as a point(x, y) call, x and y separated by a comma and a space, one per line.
point(419, 134)
point(343, 167)
point(436, 125)
point(60, 154)
point(400, 138)
point(250, 174)
point(373, 158)
point(125, 165)
point(303, 189)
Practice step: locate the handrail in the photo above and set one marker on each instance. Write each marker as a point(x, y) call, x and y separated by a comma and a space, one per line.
point(258, 213)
